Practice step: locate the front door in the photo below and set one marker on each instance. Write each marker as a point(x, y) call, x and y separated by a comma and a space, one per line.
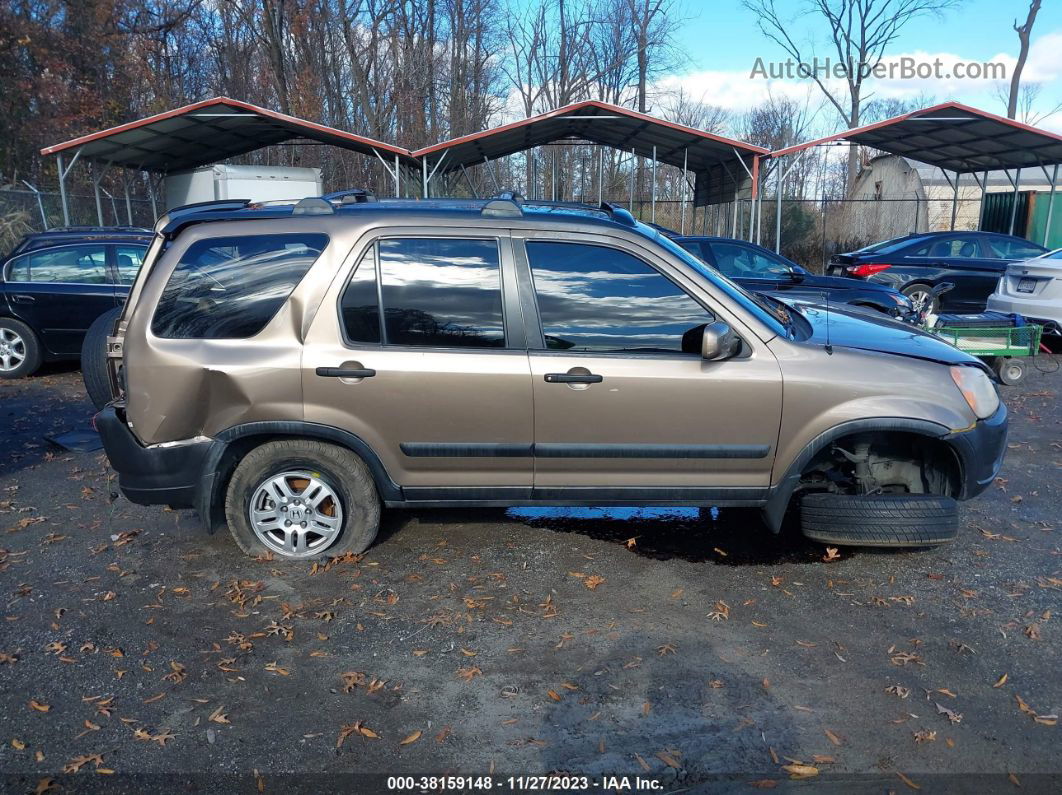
point(60, 291)
point(625, 407)
point(419, 354)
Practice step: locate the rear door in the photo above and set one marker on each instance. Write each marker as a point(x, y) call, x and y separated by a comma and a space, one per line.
point(60, 291)
point(962, 260)
point(625, 407)
point(418, 350)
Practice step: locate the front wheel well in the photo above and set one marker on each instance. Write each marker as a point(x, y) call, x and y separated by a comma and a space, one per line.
point(884, 462)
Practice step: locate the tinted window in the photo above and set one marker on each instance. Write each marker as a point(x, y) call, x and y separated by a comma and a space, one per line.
point(739, 261)
point(946, 248)
point(70, 264)
point(230, 287)
point(593, 298)
point(360, 306)
point(696, 248)
point(128, 259)
point(1012, 249)
point(441, 292)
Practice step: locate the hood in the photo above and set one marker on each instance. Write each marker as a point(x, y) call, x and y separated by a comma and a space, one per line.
point(872, 331)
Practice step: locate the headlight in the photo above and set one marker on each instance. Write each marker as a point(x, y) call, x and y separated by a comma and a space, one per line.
point(978, 389)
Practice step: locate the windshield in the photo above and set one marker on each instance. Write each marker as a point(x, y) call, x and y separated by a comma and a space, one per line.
point(770, 312)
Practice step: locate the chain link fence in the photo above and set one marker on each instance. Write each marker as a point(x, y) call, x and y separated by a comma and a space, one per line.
point(44, 210)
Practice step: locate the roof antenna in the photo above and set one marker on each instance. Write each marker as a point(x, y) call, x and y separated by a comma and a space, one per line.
point(829, 347)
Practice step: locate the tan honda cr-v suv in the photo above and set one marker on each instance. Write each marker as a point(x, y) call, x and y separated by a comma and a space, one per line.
point(292, 370)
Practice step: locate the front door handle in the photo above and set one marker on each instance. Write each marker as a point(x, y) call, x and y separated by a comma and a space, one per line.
point(345, 372)
point(573, 378)
point(23, 299)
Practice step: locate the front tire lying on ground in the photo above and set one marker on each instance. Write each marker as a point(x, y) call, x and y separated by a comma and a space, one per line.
point(880, 520)
point(302, 500)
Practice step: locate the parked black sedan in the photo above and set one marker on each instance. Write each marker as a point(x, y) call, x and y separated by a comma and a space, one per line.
point(55, 284)
point(761, 270)
point(914, 264)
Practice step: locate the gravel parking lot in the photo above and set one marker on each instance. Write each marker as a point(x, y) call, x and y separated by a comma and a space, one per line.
point(600, 643)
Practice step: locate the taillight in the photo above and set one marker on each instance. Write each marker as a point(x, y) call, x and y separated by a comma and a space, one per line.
point(863, 271)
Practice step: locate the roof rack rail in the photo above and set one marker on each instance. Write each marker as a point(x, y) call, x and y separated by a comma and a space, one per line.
point(350, 196)
point(501, 208)
point(313, 205)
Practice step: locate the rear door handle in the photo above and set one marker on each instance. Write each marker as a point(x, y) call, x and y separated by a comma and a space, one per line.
point(345, 372)
point(570, 378)
point(23, 299)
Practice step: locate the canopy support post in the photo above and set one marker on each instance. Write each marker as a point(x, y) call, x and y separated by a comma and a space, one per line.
point(954, 185)
point(984, 196)
point(493, 176)
point(753, 174)
point(40, 205)
point(553, 175)
point(62, 184)
point(128, 203)
point(685, 188)
point(151, 197)
point(653, 212)
point(630, 189)
point(468, 179)
point(424, 178)
point(1014, 205)
point(1050, 203)
point(600, 176)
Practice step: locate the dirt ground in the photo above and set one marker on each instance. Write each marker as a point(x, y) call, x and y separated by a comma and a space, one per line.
point(137, 653)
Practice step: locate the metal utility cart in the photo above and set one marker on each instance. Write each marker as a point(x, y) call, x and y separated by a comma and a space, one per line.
point(1004, 348)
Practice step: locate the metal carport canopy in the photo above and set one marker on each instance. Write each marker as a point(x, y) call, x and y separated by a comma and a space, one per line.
point(208, 132)
point(953, 137)
point(719, 163)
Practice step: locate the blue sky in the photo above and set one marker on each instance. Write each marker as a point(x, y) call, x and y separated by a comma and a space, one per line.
point(722, 42)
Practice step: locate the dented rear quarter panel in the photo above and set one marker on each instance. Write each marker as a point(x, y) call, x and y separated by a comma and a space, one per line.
point(182, 388)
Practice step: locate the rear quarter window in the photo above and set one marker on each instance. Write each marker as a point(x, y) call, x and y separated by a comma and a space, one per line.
point(231, 287)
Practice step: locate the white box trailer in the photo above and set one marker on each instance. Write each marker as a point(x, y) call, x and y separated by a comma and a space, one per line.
point(258, 183)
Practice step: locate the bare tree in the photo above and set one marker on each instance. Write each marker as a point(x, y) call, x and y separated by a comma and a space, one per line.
point(1024, 32)
point(860, 31)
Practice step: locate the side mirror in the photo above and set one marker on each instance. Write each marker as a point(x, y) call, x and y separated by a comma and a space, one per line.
point(719, 342)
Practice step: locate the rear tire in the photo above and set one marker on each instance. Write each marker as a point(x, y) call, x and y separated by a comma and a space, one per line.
point(311, 470)
point(94, 359)
point(20, 350)
point(883, 520)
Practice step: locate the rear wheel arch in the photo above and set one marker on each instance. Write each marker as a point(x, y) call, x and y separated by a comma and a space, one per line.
point(233, 444)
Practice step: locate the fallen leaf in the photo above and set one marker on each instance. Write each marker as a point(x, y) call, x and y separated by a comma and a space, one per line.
point(831, 555)
point(39, 707)
point(593, 581)
point(796, 770)
point(833, 738)
point(411, 738)
point(218, 716)
point(907, 781)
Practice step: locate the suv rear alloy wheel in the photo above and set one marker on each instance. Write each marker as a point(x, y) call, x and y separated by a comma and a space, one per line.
point(20, 353)
point(302, 499)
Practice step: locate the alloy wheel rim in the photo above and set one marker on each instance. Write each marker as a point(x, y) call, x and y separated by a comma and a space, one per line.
point(296, 514)
point(920, 299)
point(12, 350)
